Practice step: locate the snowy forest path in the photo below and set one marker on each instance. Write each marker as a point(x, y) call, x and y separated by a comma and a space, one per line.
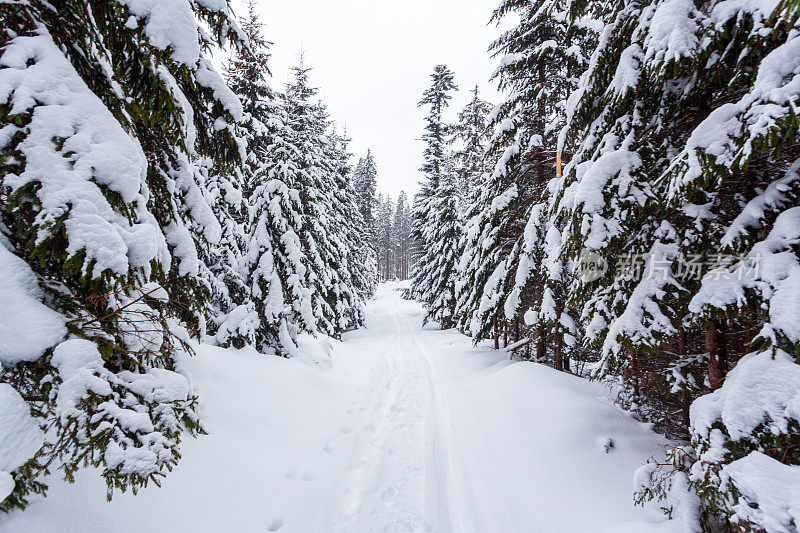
point(452, 438)
point(399, 428)
point(401, 471)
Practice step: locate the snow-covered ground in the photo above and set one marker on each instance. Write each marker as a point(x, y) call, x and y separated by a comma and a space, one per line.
point(401, 429)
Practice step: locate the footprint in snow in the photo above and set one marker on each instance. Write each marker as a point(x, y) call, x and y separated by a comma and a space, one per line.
point(295, 472)
point(276, 524)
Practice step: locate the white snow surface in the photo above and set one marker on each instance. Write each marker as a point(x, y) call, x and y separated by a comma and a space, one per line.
point(20, 436)
point(761, 388)
point(672, 32)
point(400, 428)
point(772, 484)
point(172, 23)
point(27, 327)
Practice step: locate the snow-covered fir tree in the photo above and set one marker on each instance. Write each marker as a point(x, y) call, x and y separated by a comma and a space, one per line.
point(318, 184)
point(148, 206)
point(385, 238)
point(437, 269)
point(359, 278)
point(665, 167)
point(340, 226)
point(471, 135)
point(393, 236)
point(232, 319)
point(278, 266)
point(508, 223)
point(112, 114)
point(432, 209)
point(365, 178)
point(554, 46)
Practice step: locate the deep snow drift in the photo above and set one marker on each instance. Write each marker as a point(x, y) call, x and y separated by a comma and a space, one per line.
point(399, 429)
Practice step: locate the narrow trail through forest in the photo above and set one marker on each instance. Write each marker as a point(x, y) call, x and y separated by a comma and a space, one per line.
point(426, 458)
point(402, 471)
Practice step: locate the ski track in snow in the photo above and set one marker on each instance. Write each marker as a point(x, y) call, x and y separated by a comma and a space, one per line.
point(413, 430)
point(402, 473)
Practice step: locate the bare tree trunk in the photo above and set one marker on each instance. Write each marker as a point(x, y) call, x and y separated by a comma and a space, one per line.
point(717, 347)
point(635, 371)
point(496, 335)
point(687, 395)
point(505, 334)
point(540, 346)
point(558, 352)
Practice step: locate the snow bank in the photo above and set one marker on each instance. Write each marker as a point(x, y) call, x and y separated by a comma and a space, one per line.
point(267, 418)
point(550, 471)
point(759, 388)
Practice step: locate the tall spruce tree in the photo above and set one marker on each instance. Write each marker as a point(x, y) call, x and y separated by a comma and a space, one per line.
point(508, 222)
point(358, 263)
point(385, 237)
point(437, 271)
point(277, 265)
point(233, 319)
point(471, 135)
point(365, 181)
point(337, 228)
point(558, 63)
point(431, 205)
point(112, 114)
point(319, 183)
point(364, 258)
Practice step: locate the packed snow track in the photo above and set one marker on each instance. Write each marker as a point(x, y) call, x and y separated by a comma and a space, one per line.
point(401, 474)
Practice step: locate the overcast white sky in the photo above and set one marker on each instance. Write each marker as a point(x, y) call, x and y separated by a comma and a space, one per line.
point(372, 59)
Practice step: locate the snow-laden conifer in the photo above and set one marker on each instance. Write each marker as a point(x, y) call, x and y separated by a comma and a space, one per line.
point(682, 155)
point(111, 113)
point(435, 220)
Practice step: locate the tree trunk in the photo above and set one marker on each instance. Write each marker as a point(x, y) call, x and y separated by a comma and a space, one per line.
point(496, 335)
point(687, 395)
point(540, 347)
point(717, 347)
point(635, 371)
point(558, 353)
